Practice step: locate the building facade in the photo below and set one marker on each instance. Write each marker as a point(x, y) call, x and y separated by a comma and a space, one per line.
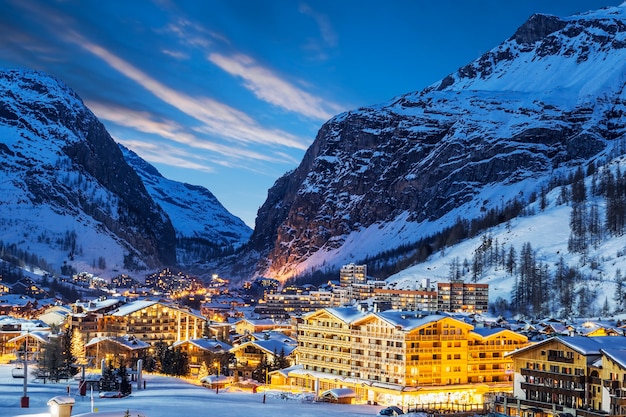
point(577, 375)
point(425, 358)
point(459, 296)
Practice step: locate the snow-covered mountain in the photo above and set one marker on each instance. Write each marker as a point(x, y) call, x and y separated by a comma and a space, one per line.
point(202, 223)
point(543, 102)
point(68, 195)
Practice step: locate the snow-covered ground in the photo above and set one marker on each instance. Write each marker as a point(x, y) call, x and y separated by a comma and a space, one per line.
point(167, 397)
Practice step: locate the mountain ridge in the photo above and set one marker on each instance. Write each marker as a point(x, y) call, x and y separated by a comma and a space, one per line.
point(69, 192)
point(545, 100)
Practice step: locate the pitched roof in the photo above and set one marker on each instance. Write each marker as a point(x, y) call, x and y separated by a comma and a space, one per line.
point(582, 344)
point(129, 342)
point(210, 345)
point(269, 346)
point(617, 355)
point(345, 314)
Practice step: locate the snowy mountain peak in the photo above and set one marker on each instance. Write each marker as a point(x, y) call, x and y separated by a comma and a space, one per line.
point(69, 197)
point(383, 177)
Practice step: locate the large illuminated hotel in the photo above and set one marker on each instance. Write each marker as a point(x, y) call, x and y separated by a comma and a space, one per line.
point(408, 358)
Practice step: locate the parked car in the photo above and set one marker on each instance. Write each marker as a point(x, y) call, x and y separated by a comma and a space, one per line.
point(391, 411)
point(111, 394)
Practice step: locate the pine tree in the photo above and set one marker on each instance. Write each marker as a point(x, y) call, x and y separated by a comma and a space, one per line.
point(50, 359)
point(122, 376)
point(620, 290)
point(108, 382)
point(578, 242)
point(510, 261)
point(204, 369)
point(78, 347)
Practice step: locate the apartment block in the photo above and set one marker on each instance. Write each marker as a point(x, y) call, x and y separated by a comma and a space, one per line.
point(352, 274)
point(407, 300)
point(459, 296)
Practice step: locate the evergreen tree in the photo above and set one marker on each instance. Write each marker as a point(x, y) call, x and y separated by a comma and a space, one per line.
point(477, 266)
point(595, 226)
point(122, 376)
point(50, 359)
point(579, 193)
point(455, 269)
point(204, 369)
point(280, 360)
point(620, 291)
point(78, 347)
point(260, 372)
point(108, 381)
point(510, 261)
point(578, 242)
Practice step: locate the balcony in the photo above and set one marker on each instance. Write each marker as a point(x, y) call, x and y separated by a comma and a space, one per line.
point(619, 401)
point(611, 384)
point(578, 393)
point(553, 357)
point(577, 379)
point(512, 402)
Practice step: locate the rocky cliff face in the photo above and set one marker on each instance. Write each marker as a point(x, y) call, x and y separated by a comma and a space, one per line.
point(547, 99)
point(62, 175)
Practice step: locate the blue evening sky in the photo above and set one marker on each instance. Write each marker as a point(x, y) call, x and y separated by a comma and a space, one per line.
point(228, 94)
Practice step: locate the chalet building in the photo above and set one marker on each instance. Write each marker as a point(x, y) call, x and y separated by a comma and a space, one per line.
point(30, 342)
point(246, 326)
point(16, 305)
point(86, 317)
point(55, 315)
point(575, 376)
point(116, 349)
point(152, 322)
point(395, 356)
point(250, 354)
point(213, 353)
point(27, 286)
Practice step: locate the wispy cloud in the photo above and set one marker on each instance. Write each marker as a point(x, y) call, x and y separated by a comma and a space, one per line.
point(326, 29)
point(269, 87)
point(217, 118)
point(175, 54)
point(168, 129)
point(167, 155)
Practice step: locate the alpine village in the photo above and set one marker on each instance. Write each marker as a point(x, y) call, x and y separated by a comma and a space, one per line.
point(458, 250)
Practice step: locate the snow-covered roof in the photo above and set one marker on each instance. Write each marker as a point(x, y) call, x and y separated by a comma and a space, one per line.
point(97, 304)
point(582, 344)
point(269, 346)
point(16, 300)
point(285, 371)
point(409, 320)
point(211, 345)
point(129, 342)
point(257, 322)
point(338, 393)
point(273, 335)
point(617, 355)
point(487, 332)
point(138, 305)
point(42, 336)
point(346, 314)
point(132, 307)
